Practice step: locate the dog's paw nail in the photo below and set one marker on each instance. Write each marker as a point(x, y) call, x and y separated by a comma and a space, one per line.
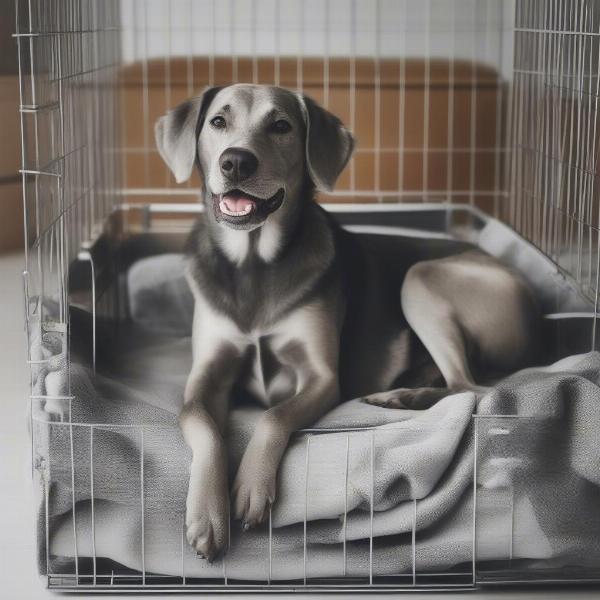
point(200, 555)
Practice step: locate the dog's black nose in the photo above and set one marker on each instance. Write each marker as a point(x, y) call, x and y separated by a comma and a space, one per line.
point(238, 164)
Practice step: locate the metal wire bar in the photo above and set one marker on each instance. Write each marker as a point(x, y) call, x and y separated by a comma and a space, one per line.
point(499, 116)
point(183, 542)
point(145, 100)
point(253, 37)
point(450, 124)
point(473, 109)
point(130, 584)
point(167, 61)
point(413, 543)
point(474, 503)
point(300, 58)
point(270, 544)
point(232, 40)
point(371, 506)
point(277, 29)
point(512, 522)
point(402, 98)
point(73, 492)
point(352, 91)
point(306, 464)
point(345, 524)
point(142, 508)
point(46, 484)
point(377, 97)
point(363, 150)
point(224, 559)
point(92, 498)
point(87, 256)
point(426, 95)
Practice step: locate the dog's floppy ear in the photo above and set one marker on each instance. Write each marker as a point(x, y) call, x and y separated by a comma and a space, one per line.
point(329, 144)
point(176, 133)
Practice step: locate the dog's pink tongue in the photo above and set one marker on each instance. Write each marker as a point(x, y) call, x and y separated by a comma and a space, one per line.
point(238, 203)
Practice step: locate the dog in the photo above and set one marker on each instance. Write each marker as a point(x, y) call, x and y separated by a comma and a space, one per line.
point(300, 312)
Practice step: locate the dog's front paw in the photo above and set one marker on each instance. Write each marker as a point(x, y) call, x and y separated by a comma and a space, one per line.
point(207, 521)
point(207, 534)
point(56, 409)
point(253, 495)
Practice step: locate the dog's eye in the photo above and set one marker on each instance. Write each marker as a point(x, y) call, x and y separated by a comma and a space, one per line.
point(281, 126)
point(218, 122)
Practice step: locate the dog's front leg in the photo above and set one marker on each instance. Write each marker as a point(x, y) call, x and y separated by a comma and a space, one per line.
point(203, 421)
point(255, 483)
point(307, 342)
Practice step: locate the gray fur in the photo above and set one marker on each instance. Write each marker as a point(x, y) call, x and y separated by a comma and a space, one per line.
point(303, 314)
point(256, 293)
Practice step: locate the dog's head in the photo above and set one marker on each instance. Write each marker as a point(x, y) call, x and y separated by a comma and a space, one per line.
point(255, 147)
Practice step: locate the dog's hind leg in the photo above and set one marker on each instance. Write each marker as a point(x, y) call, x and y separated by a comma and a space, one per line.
point(445, 341)
point(420, 387)
point(464, 307)
point(409, 398)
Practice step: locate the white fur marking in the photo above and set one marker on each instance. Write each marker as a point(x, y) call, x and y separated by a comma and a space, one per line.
point(210, 327)
point(235, 243)
point(269, 241)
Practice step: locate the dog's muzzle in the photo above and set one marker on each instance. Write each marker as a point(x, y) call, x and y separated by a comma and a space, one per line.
point(241, 210)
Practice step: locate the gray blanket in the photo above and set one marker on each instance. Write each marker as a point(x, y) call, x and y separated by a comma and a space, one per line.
point(537, 493)
point(532, 441)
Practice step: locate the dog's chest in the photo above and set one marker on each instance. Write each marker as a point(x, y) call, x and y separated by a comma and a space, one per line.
point(256, 296)
point(268, 376)
point(274, 359)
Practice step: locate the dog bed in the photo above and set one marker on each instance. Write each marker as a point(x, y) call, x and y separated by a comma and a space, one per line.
point(352, 496)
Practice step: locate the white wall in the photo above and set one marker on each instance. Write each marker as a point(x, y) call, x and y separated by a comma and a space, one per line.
point(391, 28)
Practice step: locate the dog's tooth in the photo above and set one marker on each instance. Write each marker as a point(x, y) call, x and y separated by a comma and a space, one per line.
point(232, 213)
point(224, 208)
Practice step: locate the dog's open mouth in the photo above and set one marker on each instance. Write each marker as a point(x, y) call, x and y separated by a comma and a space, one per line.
point(236, 206)
point(240, 208)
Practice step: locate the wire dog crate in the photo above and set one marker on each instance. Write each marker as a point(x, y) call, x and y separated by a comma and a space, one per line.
point(465, 112)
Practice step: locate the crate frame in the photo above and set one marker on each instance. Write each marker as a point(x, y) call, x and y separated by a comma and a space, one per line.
point(70, 53)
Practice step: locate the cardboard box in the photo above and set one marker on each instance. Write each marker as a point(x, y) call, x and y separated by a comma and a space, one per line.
point(424, 136)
